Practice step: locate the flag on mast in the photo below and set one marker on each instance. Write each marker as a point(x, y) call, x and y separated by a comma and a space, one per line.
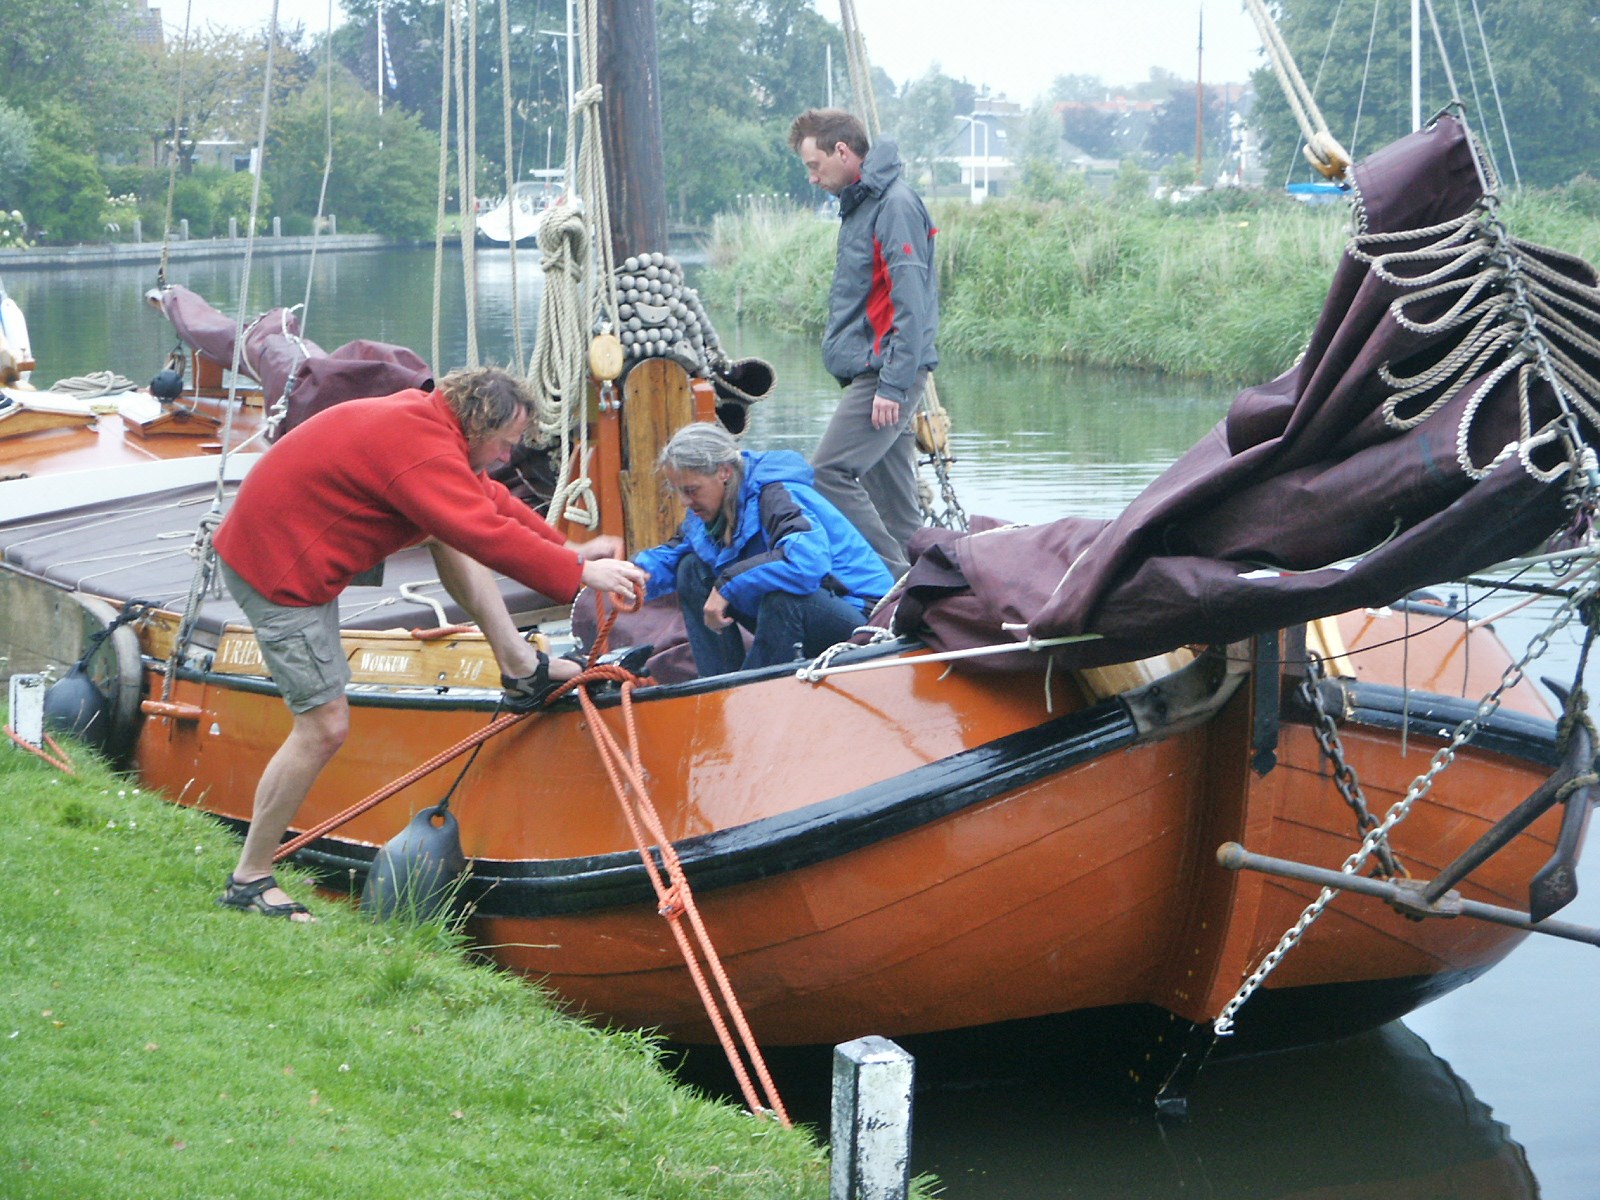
point(385, 63)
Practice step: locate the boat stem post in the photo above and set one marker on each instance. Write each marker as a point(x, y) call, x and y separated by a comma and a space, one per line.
point(871, 1138)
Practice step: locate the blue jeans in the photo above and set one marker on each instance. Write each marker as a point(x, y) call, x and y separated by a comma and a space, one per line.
point(786, 628)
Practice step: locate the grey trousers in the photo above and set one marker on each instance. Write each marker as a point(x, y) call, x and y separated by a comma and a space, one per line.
point(870, 475)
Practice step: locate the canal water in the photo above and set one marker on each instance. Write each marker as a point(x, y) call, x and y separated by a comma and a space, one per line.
point(1490, 1092)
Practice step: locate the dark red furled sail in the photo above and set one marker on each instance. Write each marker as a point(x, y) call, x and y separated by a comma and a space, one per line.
point(1417, 439)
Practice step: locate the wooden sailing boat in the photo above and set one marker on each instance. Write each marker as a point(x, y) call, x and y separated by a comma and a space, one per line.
point(890, 846)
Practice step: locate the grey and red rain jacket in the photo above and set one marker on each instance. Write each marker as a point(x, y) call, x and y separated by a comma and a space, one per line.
point(883, 308)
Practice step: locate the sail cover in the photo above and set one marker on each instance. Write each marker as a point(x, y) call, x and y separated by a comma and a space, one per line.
point(289, 366)
point(1416, 440)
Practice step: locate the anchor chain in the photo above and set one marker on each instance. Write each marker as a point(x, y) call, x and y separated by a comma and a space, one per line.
point(1582, 600)
point(953, 516)
point(1344, 775)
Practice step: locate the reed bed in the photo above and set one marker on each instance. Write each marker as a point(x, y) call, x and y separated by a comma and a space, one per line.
point(1226, 287)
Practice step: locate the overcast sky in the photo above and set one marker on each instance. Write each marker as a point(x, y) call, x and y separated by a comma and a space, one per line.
point(1017, 47)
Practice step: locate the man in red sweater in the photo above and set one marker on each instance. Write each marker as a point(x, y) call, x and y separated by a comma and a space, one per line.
point(334, 498)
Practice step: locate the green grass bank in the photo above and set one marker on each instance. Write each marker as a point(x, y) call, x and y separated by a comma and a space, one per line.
point(1224, 287)
point(155, 1045)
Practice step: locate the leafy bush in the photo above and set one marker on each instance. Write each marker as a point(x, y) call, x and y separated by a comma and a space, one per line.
point(233, 191)
point(195, 202)
point(62, 195)
point(17, 139)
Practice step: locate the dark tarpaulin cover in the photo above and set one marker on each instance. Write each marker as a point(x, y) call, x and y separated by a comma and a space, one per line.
point(1241, 534)
point(283, 362)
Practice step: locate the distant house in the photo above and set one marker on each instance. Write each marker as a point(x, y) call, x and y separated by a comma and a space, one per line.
point(143, 25)
point(980, 146)
point(1107, 130)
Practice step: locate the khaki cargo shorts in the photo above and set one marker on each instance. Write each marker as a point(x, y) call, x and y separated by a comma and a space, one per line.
point(300, 645)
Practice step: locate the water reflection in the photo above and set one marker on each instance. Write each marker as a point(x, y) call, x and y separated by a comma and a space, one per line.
point(1379, 1115)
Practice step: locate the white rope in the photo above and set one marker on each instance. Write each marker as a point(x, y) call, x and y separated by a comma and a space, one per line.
point(249, 256)
point(1322, 149)
point(1472, 78)
point(580, 296)
point(511, 180)
point(466, 139)
point(860, 69)
point(1488, 62)
point(818, 670)
point(446, 55)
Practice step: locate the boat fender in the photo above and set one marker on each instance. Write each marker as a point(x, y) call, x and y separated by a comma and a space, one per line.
point(74, 705)
point(167, 386)
point(416, 872)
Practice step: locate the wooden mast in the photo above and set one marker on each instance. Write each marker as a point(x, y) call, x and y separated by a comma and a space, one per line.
point(630, 75)
point(656, 396)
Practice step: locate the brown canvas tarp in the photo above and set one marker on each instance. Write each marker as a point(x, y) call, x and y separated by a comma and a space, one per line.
point(1333, 486)
point(286, 364)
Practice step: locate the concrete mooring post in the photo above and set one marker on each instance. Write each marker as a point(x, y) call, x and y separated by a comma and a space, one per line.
point(27, 708)
point(871, 1140)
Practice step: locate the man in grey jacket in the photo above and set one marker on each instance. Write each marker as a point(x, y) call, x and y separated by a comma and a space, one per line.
point(883, 315)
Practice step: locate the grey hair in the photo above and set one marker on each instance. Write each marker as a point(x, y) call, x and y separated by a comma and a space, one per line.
point(700, 449)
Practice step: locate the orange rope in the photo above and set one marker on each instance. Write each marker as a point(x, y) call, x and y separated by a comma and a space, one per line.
point(676, 900)
point(58, 759)
point(406, 780)
point(498, 725)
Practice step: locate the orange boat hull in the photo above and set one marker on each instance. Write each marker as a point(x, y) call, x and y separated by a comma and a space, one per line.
point(905, 850)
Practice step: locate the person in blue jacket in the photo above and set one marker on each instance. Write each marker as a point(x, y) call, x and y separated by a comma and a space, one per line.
point(758, 548)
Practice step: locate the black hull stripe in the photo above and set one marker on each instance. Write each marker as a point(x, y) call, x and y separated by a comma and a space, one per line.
point(1514, 734)
point(838, 826)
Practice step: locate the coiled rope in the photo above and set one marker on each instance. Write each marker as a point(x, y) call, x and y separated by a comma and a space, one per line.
point(580, 296)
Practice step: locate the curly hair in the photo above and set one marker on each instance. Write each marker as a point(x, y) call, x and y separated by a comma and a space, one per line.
point(485, 398)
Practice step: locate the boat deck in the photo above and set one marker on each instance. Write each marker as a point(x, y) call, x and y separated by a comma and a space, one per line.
point(136, 546)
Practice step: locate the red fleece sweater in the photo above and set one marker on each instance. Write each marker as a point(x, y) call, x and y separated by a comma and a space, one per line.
point(340, 493)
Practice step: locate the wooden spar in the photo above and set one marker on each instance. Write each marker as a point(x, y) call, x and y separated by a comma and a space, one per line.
point(629, 74)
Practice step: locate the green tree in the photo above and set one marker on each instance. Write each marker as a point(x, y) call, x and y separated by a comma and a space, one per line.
point(1077, 88)
point(927, 119)
point(223, 74)
point(383, 175)
point(734, 74)
point(1542, 53)
point(1092, 130)
point(1172, 132)
point(78, 56)
point(1132, 183)
point(413, 34)
point(1040, 135)
point(16, 154)
point(62, 197)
